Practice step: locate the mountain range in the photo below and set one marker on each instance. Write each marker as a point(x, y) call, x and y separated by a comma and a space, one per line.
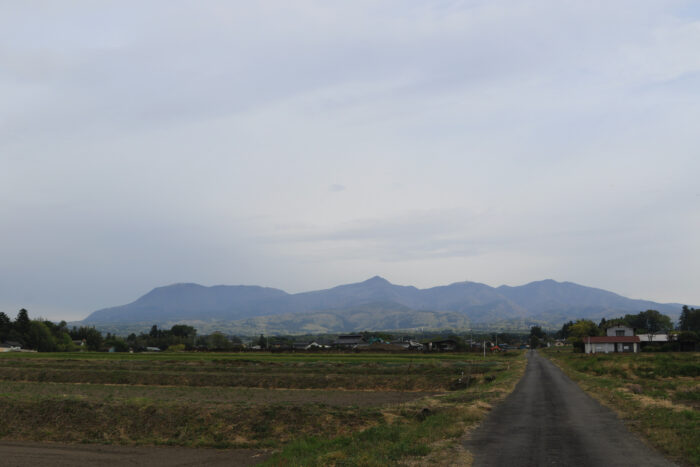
point(375, 304)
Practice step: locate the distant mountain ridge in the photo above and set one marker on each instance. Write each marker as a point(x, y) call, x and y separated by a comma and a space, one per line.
point(375, 304)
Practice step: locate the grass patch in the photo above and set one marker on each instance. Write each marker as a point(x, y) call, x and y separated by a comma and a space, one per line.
point(422, 433)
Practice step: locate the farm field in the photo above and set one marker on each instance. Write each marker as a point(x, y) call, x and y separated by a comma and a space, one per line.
point(656, 394)
point(303, 409)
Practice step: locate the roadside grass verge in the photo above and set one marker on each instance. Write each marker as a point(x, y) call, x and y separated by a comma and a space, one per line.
point(655, 394)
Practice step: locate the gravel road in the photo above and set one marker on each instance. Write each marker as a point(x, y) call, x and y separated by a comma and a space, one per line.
point(549, 420)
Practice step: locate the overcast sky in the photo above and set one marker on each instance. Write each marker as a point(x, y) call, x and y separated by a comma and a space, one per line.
point(306, 144)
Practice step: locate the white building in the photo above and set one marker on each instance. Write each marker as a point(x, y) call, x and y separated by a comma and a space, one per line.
point(618, 339)
point(654, 338)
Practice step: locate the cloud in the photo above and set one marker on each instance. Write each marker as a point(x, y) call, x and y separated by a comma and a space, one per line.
point(501, 140)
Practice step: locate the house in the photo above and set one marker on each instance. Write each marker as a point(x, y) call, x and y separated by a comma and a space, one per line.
point(619, 331)
point(408, 344)
point(381, 347)
point(618, 339)
point(317, 346)
point(446, 345)
point(308, 346)
point(348, 341)
point(610, 344)
point(10, 346)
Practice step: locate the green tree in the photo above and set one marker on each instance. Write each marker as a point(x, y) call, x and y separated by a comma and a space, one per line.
point(93, 337)
point(5, 326)
point(116, 343)
point(39, 337)
point(579, 330)
point(563, 333)
point(583, 328)
point(605, 324)
point(218, 341)
point(181, 330)
point(536, 337)
point(690, 319)
point(22, 322)
point(688, 336)
point(60, 336)
point(64, 343)
point(655, 322)
point(262, 342)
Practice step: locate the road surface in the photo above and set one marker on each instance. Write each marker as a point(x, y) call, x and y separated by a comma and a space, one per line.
point(549, 421)
point(27, 454)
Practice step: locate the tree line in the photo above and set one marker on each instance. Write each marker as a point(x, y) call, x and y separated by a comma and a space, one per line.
point(40, 335)
point(649, 322)
point(46, 336)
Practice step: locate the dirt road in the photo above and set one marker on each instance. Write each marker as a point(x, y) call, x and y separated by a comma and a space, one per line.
point(24, 454)
point(549, 420)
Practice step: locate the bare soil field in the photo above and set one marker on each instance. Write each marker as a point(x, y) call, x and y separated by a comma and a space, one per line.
point(334, 371)
point(27, 454)
point(210, 395)
point(291, 409)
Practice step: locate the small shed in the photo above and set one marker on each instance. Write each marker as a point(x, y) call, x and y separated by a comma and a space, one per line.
point(655, 338)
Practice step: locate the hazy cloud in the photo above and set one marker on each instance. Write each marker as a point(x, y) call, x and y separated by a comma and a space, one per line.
point(499, 141)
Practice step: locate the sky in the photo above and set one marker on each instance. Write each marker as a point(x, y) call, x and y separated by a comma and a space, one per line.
point(302, 145)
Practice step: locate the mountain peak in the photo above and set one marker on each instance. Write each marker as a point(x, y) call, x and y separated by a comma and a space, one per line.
point(542, 301)
point(376, 280)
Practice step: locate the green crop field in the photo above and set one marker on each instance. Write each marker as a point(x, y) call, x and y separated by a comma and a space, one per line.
point(303, 409)
point(657, 394)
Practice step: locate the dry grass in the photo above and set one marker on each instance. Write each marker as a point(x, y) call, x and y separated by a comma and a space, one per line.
point(338, 409)
point(428, 431)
